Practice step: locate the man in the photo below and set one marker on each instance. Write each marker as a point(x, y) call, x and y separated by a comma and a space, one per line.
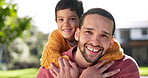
point(95, 37)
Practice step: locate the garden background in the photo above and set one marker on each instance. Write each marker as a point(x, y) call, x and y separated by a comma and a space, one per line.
point(21, 44)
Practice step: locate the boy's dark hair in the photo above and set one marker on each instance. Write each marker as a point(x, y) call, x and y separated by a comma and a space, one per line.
point(98, 11)
point(73, 5)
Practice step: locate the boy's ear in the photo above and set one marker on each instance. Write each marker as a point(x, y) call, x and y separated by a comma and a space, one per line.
point(112, 42)
point(77, 33)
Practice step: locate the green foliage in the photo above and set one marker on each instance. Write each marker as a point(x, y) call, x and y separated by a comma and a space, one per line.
point(11, 26)
point(23, 52)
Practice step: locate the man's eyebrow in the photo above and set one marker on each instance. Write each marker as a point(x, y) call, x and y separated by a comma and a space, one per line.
point(89, 28)
point(106, 32)
point(94, 29)
point(73, 16)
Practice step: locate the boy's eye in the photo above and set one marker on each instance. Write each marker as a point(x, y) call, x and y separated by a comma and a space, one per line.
point(60, 19)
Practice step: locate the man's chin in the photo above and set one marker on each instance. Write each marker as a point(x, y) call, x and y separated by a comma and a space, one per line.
point(92, 61)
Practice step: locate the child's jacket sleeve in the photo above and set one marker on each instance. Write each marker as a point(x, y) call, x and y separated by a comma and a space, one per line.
point(56, 44)
point(114, 53)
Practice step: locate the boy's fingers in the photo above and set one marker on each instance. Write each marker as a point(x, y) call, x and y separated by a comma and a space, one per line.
point(66, 63)
point(99, 64)
point(52, 73)
point(111, 73)
point(53, 70)
point(60, 62)
point(73, 65)
point(105, 67)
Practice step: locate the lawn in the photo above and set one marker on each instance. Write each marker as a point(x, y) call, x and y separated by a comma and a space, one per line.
point(31, 73)
point(22, 73)
point(144, 71)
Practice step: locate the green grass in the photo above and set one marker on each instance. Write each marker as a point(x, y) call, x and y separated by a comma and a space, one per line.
point(22, 73)
point(144, 71)
point(32, 72)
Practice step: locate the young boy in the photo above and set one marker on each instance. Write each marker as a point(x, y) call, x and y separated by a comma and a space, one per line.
point(68, 13)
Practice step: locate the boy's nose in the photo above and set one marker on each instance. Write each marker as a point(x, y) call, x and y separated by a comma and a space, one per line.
point(66, 23)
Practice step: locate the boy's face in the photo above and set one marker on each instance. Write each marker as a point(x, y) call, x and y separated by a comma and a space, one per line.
point(67, 22)
point(94, 37)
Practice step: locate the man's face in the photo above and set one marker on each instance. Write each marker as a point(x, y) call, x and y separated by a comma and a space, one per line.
point(95, 37)
point(67, 22)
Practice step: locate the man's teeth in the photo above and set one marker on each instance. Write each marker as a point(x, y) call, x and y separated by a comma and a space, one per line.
point(93, 50)
point(90, 49)
point(96, 50)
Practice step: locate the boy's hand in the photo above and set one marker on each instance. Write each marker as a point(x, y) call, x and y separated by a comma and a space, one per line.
point(67, 69)
point(97, 71)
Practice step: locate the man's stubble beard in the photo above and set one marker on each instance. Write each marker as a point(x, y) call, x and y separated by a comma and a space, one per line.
point(82, 49)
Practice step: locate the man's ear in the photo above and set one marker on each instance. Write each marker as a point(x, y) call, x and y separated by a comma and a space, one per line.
point(112, 42)
point(77, 33)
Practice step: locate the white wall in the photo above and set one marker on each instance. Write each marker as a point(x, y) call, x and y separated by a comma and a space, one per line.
point(136, 34)
point(118, 36)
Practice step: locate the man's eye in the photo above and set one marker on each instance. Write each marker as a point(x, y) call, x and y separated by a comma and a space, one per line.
point(72, 18)
point(105, 36)
point(88, 32)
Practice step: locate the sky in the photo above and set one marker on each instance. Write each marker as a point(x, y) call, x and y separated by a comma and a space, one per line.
point(42, 11)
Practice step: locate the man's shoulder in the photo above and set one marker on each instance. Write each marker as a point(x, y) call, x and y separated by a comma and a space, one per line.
point(128, 67)
point(44, 73)
point(126, 59)
point(70, 53)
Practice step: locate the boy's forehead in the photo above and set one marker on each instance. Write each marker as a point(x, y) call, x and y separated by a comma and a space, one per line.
point(66, 12)
point(67, 9)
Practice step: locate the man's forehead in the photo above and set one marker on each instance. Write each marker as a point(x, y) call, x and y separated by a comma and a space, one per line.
point(95, 22)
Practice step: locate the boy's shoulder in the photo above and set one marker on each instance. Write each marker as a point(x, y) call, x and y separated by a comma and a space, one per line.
point(56, 33)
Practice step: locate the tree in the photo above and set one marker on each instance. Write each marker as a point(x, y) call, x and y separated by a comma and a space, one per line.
point(11, 27)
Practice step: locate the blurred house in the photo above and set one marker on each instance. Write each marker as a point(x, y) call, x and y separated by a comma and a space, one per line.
point(134, 40)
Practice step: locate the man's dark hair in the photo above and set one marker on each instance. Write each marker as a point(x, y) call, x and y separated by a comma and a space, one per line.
point(73, 5)
point(98, 11)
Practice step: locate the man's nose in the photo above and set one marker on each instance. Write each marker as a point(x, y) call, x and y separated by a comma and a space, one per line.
point(95, 40)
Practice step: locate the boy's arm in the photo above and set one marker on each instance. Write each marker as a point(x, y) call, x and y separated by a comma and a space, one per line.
point(56, 44)
point(114, 53)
